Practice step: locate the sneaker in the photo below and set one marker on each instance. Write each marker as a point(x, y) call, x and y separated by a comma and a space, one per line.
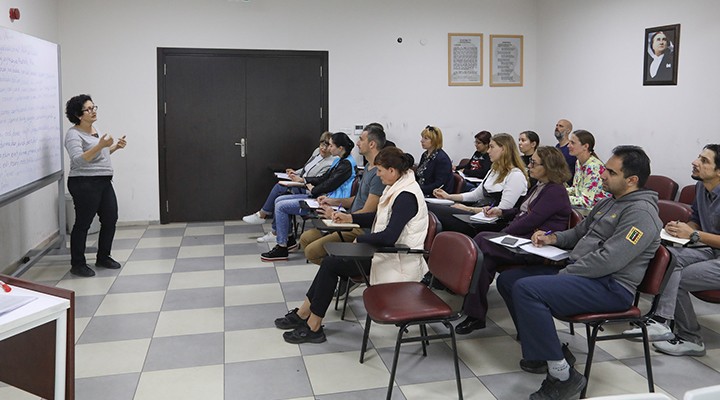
point(108, 263)
point(679, 347)
point(291, 320)
point(254, 219)
point(82, 270)
point(540, 366)
point(276, 254)
point(292, 245)
point(341, 293)
point(267, 238)
point(555, 389)
point(657, 332)
point(303, 334)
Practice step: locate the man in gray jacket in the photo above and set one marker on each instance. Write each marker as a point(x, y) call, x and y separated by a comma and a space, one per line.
point(611, 249)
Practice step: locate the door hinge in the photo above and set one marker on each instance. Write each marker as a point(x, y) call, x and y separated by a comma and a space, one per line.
point(321, 114)
point(165, 69)
point(321, 71)
point(167, 206)
point(165, 107)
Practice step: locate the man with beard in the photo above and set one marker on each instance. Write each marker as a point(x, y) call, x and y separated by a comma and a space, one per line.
point(562, 130)
point(697, 268)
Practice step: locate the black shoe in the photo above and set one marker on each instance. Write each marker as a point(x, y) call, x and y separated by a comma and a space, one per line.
point(291, 320)
point(108, 263)
point(82, 270)
point(468, 325)
point(555, 389)
point(303, 334)
point(540, 367)
point(276, 254)
point(292, 245)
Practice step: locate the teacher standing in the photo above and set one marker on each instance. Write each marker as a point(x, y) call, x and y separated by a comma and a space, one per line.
point(90, 184)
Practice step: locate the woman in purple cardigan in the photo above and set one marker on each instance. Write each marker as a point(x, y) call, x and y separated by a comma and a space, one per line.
point(546, 207)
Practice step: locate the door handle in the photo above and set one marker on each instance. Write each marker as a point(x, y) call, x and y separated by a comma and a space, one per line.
point(242, 143)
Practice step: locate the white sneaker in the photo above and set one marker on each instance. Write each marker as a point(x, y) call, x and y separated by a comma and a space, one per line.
point(679, 347)
point(657, 332)
point(254, 219)
point(267, 238)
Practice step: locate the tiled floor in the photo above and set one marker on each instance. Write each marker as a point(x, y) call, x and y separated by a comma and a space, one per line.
point(190, 316)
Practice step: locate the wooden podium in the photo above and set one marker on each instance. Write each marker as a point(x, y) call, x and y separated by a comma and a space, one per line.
point(29, 357)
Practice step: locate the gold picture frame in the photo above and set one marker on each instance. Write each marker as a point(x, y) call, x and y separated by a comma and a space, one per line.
point(506, 60)
point(465, 59)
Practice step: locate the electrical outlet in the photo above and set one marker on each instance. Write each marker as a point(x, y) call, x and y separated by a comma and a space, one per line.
point(358, 130)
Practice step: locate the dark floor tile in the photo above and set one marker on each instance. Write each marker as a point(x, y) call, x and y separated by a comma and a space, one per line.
point(254, 316)
point(199, 264)
point(341, 336)
point(282, 378)
point(512, 385)
point(160, 253)
point(202, 240)
point(250, 276)
point(111, 387)
point(230, 229)
point(108, 328)
point(186, 299)
point(414, 368)
point(140, 283)
point(242, 249)
point(122, 244)
point(168, 232)
point(295, 291)
point(185, 351)
point(85, 306)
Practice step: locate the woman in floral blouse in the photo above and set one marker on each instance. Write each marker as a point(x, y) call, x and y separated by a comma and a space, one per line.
point(587, 188)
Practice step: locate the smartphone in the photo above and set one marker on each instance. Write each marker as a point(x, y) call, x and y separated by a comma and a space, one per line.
point(509, 241)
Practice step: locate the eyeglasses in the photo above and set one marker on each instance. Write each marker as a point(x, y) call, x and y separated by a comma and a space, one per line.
point(90, 109)
point(532, 163)
point(324, 144)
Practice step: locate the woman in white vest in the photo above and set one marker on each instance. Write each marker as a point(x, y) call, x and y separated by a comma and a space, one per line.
point(401, 218)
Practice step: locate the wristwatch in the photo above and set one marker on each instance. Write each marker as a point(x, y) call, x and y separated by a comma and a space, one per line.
point(694, 237)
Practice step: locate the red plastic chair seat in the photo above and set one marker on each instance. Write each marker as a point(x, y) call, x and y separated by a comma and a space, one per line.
point(387, 303)
point(633, 312)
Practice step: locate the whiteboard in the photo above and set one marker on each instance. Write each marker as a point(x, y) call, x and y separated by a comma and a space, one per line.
point(30, 113)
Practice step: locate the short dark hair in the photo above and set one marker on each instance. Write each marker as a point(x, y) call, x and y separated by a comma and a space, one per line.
point(634, 162)
point(715, 148)
point(341, 139)
point(376, 134)
point(484, 137)
point(392, 157)
point(74, 106)
point(532, 137)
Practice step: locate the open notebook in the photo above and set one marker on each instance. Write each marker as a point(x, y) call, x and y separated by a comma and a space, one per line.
point(9, 302)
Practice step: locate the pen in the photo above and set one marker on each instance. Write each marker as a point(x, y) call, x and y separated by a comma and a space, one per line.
point(5, 287)
point(488, 208)
point(548, 233)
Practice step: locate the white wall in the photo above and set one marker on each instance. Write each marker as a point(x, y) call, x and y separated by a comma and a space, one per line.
point(31, 220)
point(109, 50)
point(591, 61)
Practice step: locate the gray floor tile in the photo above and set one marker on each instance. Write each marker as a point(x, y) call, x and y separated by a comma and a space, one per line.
point(186, 299)
point(295, 291)
point(169, 232)
point(199, 264)
point(140, 283)
point(210, 223)
point(667, 370)
point(253, 316)
point(119, 327)
point(371, 394)
point(202, 240)
point(413, 367)
point(282, 378)
point(160, 253)
point(242, 249)
point(512, 385)
point(185, 351)
point(341, 336)
point(123, 244)
point(85, 306)
point(112, 387)
point(250, 276)
point(230, 229)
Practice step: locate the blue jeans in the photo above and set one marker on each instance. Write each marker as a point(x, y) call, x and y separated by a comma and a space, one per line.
point(92, 195)
point(537, 298)
point(277, 191)
point(285, 206)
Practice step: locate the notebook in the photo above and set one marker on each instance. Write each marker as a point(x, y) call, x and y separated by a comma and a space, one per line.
point(9, 303)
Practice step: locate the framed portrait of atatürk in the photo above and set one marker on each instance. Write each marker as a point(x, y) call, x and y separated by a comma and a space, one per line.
point(661, 50)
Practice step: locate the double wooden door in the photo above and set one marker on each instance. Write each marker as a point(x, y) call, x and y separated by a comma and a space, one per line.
point(227, 119)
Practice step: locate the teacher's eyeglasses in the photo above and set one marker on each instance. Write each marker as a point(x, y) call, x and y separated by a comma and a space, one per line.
point(90, 109)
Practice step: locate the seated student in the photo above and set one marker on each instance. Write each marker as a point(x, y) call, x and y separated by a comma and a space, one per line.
point(528, 142)
point(435, 169)
point(401, 218)
point(366, 200)
point(503, 186)
point(546, 207)
point(587, 187)
point(336, 182)
point(318, 163)
point(611, 249)
point(479, 164)
point(563, 128)
point(696, 268)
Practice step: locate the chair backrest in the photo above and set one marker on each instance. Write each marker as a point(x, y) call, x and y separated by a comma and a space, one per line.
point(657, 273)
point(459, 183)
point(687, 194)
point(454, 258)
point(464, 162)
point(575, 218)
point(434, 227)
point(665, 187)
point(706, 393)
point(355, 185)
point(673, 211)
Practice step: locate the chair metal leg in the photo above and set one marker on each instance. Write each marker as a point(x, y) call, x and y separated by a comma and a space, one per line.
point(455, 358)
point(572, 328)
point(395, 360)
point(591, 351)
point(366, 335)
point(337, 298)
point(347, 295)
point(648, 361)
point(423, 332)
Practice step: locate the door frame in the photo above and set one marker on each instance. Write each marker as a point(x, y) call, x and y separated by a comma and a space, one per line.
point(163, 52)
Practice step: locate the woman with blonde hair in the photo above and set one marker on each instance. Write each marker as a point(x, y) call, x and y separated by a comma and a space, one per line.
point(503, 187)
point(435, 168)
